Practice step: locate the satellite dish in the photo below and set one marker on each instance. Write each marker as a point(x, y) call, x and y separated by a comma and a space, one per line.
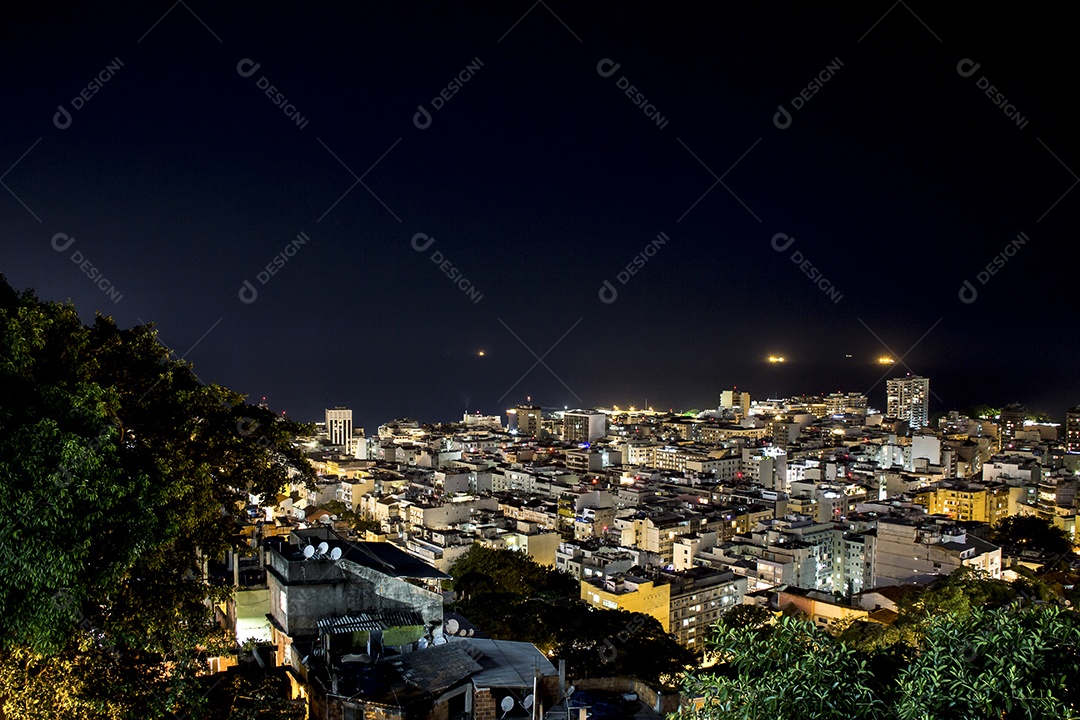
point(507, 704)
point(440, 640)
point(335, 554)
point(528, 702)
point(472, 631)
point(452, 626)
point(422, 644)
point(308, 552)
point(570, 691)
point(323, 547)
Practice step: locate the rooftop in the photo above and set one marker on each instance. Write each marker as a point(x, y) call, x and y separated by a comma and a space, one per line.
point(380, 556)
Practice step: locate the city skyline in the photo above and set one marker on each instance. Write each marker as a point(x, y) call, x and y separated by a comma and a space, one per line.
point(422, 210)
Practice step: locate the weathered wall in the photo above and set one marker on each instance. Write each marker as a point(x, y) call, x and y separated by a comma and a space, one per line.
point(669, 701)
point(371, 591)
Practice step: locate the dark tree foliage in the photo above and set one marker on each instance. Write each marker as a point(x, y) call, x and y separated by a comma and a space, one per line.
point(356, 522)
point(1008, 662)
point(485, 569)
point(958, 594)
point(741, 616)
point(794, 671)
point(512, 597)
point(119, 472)
point(616, 643)
point(1031, 533)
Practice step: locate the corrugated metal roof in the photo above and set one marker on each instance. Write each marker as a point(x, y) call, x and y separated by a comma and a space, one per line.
point(401, 618)
point(366, 622)
point(438, 668)
point(349, 623)
point(506, 663)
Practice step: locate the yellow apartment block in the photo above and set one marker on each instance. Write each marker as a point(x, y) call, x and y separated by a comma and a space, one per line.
point(966, 501)
point(625, 592)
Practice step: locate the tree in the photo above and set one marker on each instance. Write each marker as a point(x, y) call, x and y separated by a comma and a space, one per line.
point(795, 671)
point(1002, 663)
point(1031, 533)
point(484, 569)
point(512, 597)
point(357, 522)
point(946, 656)
point(742, 616)
point(958, 594)
point(616, 643)
point(120, 472)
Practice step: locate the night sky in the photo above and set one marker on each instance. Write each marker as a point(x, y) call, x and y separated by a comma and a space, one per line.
point(539, 179)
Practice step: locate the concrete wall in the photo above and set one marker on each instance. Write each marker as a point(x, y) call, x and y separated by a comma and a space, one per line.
point(660, 701)
point(306, 604)
point(375, 592)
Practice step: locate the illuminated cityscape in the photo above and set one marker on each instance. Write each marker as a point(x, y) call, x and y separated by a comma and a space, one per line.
point(539, 359)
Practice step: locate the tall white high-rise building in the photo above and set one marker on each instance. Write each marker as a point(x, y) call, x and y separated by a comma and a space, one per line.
point(736, 400)
point(584, 426)
point(339, 428)
point(909, 399)
point(1072, 430)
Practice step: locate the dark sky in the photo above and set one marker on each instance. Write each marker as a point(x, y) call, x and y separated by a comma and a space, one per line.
point(539, 179)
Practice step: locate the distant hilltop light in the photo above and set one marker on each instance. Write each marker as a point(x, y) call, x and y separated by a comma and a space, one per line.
point(481, 353)
point(776, 359)
point(885, 360)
